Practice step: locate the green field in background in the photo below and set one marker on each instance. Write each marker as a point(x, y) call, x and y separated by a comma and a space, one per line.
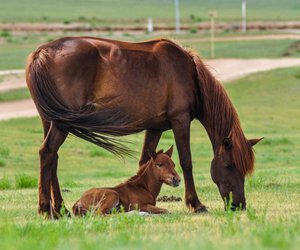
point(268, 104)
point(93, 10)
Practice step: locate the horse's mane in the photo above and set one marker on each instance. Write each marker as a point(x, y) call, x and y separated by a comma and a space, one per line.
point(221, 118)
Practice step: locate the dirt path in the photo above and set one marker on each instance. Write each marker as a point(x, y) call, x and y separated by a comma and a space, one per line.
point(224, 69)
point(244, 38)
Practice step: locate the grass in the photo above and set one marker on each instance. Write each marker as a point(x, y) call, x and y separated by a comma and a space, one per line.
point(138, 10)
point(268, 105)
point(245, 49)
point(13, 95)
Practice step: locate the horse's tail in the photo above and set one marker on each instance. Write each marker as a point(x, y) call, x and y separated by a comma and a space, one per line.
point(98, 127)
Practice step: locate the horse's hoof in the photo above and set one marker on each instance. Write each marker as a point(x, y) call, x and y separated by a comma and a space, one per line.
point(201, 209)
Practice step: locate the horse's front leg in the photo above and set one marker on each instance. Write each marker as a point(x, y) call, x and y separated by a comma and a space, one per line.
point(150, 143)
point(181, 129)
point(48, 166)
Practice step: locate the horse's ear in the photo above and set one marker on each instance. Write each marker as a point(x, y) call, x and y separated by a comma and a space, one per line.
point(227, 143)
point(255, 141)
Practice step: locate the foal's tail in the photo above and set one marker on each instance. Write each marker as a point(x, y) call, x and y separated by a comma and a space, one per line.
point(98, 127)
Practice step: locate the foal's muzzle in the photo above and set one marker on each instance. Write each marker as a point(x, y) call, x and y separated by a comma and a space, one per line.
point(175, 181)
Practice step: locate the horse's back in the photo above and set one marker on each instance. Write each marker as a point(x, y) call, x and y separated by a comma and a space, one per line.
point(155, 76)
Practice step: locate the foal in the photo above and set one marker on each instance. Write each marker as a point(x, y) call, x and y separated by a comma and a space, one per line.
point(137, 193)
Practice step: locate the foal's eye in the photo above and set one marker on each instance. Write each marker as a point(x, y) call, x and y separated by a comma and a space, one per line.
point(230, 167)
point(159, 165)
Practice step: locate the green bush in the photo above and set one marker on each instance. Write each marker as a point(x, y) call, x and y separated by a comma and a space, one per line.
point(4, 183)
point(25, 181)
point(193, 30)
point(5, 33)
point(2, 163)
point(4, 151)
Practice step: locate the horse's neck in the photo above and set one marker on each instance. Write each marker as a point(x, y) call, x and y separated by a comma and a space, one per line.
point(149, 181)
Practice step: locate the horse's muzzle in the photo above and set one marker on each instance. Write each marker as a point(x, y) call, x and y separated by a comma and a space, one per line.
point(234, 207)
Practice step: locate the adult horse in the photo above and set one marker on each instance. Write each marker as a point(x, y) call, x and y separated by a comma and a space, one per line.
point(97, 89)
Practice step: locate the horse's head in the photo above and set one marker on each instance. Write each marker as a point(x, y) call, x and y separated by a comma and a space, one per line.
point(164, 167)
point(232, 161)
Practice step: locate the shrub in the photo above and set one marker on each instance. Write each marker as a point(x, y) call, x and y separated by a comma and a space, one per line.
point(2, 163)
point(5, 33)
point(25, 181)
point(4, 183)
point(4, 151)
point(193, 30)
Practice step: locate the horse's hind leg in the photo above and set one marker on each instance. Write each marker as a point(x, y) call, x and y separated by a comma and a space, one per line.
point(150, 143)
point(48, 167)
point(109, 199)
point(57, 199)
point(181, 129)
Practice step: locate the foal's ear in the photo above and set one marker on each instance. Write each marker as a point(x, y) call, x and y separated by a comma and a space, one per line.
point(255, 141)
point(169, 152)
point(227, 143)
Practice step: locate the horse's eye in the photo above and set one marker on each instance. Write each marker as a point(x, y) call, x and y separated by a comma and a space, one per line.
point(159, 165)
point(230, 167)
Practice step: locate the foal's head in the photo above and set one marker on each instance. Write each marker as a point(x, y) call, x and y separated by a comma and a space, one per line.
point(164, 168)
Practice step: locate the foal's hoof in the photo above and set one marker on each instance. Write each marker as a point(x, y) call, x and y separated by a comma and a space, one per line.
point(201, 209)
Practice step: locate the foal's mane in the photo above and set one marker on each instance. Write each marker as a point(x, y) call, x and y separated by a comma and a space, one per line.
point(140, 172)
point(220, 117)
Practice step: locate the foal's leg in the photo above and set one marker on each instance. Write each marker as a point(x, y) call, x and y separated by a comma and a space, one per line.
point(48, 165)
point(150, 143)
point(153, 209)
point(181, 129)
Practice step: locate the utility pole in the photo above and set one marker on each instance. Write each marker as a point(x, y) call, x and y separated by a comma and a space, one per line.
point(150, 25)
point(244, 22)
point(212, 15)
point(177, 14)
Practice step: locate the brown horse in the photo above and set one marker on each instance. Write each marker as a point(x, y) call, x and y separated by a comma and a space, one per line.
point(137, 193)
point(97, 89)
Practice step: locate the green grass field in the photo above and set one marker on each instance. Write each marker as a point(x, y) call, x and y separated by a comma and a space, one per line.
point(13, 95)
point(15, 48)
point(97, 10)
point(268, 104)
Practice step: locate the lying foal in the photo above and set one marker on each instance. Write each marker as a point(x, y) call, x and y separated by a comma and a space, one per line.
point(137, 193)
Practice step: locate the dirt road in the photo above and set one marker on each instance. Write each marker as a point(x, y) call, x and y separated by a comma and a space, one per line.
point(224, 69)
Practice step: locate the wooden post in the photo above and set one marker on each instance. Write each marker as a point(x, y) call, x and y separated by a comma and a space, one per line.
point(212, 15)
point(150, 25)
point(244, 21)
point(177, 14)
